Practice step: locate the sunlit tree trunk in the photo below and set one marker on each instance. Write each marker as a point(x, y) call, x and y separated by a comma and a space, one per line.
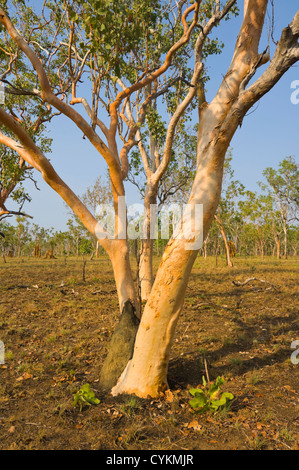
point(227, 252)
point(146, 373)
point(277, 244)
point(146, 276)
point(285, 232)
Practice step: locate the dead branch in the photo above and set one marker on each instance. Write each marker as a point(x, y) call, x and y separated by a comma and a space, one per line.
point(250, 279)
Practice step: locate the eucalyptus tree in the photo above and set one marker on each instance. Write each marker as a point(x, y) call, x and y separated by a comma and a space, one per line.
point(283, 187)
point(228, 215)
point(22, 233)
point(256, 210)
point(12, 170)
point(96, 198)
point(131, 52)
point(31, 114)
point(172, 188)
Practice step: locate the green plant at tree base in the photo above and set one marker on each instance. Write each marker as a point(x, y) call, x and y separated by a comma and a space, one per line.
point(209, 398)
point(85, 397)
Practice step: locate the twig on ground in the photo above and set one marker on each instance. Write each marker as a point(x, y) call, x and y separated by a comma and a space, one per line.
point(250, 279)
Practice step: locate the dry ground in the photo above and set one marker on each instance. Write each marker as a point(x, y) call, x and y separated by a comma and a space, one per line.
point(56, 338)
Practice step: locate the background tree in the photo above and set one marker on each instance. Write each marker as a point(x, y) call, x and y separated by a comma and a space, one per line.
point(32, 114)
point(227, 216)
point(13, 171)
point(96, 196)
point(283, 186)
point(255, 208)
point(22, 233)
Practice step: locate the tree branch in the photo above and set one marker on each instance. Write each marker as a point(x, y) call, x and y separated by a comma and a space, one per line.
point(286, 54)
point(34, 157)
point(48, 96)
point(157, 73)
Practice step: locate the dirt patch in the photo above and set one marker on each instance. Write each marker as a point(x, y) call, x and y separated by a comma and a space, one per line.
point(56, 329)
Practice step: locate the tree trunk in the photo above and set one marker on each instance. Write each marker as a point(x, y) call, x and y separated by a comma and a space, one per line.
point(123, 276)
point(277, 242)
point(146, 277)
point(146, 373)
point(122, 341)
point(285, 240)
point(228, 258)
point(262, 250)
point(146, 269)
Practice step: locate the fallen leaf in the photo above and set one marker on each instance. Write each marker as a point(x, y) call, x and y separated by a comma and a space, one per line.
point(27, 376)
point(169, 396)
point(193, 425)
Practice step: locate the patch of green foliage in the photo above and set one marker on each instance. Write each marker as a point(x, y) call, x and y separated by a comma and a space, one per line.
point(85, 397)
point(209, 398)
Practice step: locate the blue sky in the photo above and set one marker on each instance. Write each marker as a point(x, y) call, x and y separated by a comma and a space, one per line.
point(268, 134)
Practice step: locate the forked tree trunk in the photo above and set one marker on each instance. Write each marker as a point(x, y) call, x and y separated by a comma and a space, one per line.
point(146, 373)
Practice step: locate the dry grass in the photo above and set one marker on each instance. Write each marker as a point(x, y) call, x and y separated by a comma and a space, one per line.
point(56, 339)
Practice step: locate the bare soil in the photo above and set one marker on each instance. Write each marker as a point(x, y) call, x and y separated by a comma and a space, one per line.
point(56, 329)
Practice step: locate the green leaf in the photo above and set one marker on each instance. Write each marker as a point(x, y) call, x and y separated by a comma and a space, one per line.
point(198, 402)
point(196, 392)
point(223, 401)
point(85, 396)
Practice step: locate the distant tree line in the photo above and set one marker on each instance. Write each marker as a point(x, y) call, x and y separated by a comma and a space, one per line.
point(247, 223)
